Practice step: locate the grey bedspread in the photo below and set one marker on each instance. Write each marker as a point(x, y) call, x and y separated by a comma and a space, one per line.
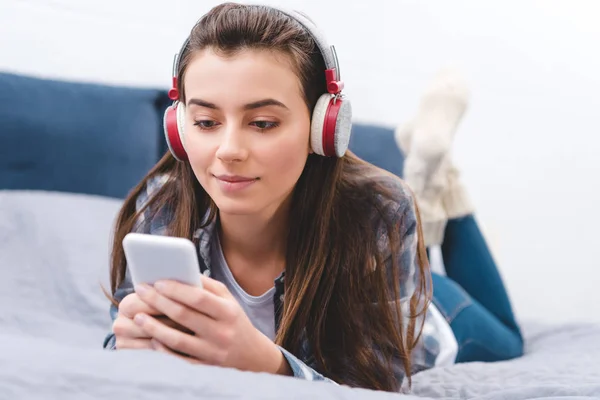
point(53, 318)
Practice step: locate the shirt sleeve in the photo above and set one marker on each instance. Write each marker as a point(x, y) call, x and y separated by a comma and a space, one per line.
point(403, 214)
point(426, 350)
point(124, 289)
point(301, 370)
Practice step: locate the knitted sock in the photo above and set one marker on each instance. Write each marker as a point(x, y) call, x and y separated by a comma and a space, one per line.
point(456, 200)
point(426, 142)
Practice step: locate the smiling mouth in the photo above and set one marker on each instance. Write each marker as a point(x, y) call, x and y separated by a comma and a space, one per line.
point(232, 184)
point(235, 179)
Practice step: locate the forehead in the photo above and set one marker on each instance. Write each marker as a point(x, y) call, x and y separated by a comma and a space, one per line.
point(247, 73)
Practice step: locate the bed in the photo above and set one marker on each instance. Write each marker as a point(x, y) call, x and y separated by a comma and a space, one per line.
point(53, 318)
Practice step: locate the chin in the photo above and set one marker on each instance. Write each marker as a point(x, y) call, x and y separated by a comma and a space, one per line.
point(236, 206)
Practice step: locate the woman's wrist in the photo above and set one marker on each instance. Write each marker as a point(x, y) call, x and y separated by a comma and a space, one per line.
point(270, 358)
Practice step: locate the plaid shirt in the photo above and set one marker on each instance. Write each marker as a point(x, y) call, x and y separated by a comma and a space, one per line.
point(303, 365)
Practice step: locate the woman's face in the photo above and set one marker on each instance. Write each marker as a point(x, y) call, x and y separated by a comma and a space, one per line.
point(247, 129)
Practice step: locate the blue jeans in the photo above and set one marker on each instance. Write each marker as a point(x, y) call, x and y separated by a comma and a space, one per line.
point(472, 297)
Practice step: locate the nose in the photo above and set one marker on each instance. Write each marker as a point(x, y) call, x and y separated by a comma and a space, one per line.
point(232, 147)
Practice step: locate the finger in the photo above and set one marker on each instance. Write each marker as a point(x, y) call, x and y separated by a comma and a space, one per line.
point(172, 324)
point(156, 345)
point(123, 343)
point(126, 328)
point(209, 284)
point(132, 304)
point(216, 287)
point(177, 341)
point(198, 299)
point(180, 313)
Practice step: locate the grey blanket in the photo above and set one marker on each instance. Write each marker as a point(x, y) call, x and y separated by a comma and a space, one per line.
point(53, 318)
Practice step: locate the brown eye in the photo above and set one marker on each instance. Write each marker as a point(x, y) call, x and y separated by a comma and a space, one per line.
point(265, 125)
point(205, 124)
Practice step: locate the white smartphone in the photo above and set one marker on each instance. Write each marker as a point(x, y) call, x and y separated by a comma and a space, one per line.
point(151, 258)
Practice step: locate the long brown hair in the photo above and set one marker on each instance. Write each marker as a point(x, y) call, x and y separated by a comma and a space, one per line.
point(339, 284)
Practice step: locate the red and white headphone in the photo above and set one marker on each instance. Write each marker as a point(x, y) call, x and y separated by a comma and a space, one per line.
point(331, 122)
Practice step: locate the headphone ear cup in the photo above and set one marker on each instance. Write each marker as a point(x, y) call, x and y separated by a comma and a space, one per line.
point(317, 123)
point(181, 123)
point(331, 126)
point(173, 129)
point(343, 127)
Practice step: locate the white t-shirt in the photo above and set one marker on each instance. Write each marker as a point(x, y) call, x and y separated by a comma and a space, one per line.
point(448, 343)
point(259, 309)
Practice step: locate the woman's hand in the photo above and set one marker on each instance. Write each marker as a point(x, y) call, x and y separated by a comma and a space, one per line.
point(127, 334)
point(222, 333)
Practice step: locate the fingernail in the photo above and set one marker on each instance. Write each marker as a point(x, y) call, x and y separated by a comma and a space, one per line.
point(141, 289)
point(159, 285)
point(139, 319)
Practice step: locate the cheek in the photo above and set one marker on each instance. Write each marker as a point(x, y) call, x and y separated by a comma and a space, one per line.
point(200, 154)
point(286, 160)
point(291, 156)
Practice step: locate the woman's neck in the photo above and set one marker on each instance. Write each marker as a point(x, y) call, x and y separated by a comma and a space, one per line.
point(255, 247)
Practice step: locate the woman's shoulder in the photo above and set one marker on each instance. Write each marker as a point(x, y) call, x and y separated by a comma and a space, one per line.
point(152, 186)
point(151, 220)
point(392, 206)
point(392, 194)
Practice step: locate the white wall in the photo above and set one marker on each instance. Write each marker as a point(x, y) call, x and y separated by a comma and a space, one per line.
point(528, 145)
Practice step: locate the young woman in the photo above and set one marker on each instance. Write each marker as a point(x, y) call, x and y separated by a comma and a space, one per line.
point(313, 260)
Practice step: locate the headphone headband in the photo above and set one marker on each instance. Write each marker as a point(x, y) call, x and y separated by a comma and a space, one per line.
point(334, 83)
point(327, 51)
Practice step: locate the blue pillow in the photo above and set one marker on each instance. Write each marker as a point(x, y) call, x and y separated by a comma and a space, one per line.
point(77, 137)
point(376, 144)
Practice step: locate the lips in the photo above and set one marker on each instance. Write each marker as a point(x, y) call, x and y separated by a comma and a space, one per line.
point(234, 178)
point(234, 184)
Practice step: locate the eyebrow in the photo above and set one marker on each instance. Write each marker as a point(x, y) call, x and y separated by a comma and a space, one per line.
point(250, 106)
